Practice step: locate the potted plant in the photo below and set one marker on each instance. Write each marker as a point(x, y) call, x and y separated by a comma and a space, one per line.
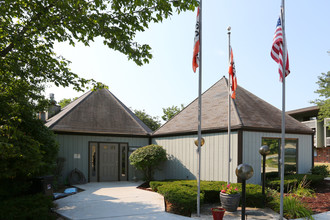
point(218, 213)
point(229, 198)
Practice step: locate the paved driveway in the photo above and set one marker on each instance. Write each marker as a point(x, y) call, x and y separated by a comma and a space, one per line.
point(114, 200)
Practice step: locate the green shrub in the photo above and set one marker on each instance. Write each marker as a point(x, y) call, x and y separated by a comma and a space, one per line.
point(26, 207)
point(292, 181)
point(209, 191)
point(254, 196)
point(320, 170)
point(147, 159)
point(181, 196)
point(272, 175)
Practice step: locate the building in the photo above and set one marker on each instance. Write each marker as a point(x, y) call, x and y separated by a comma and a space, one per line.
point(254, 122)
point(309, 117)
point(97, 132)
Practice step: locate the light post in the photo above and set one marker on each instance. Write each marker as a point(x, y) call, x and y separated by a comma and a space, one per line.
point(245, 172)
point(264, 150)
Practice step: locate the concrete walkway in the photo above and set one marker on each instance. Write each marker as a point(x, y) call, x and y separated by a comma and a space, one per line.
point(122, 200)
point(114, 200)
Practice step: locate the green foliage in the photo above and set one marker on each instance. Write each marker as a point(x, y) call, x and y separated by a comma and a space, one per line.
point(292, 206)
point(320, 170)
point(292, 181)
point(324, 93)
point(209, 190)
point(152, 122)
point(64, 102)
point(26, 207)
point(30, 28)
point(147, 159)
point(170, 112)
point(27, 147)
point(180, 195)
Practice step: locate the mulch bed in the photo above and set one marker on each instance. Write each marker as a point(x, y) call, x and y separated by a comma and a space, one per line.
point(321, 200)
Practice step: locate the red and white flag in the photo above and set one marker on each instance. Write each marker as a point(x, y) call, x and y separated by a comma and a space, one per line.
point(195, 61)
point(232, 75)
point(277, 50)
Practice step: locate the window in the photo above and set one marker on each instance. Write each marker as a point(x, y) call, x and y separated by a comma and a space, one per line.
point(290, 155)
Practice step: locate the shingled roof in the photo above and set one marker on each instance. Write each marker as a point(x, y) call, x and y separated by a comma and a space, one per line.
point(248, 112)
point(98, 112)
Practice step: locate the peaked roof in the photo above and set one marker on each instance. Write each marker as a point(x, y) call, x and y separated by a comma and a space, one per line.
point(98, 112)
point(248, 112)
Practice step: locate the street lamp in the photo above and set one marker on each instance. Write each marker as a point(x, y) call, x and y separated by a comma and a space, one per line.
point(245, 172)
point(264, 150)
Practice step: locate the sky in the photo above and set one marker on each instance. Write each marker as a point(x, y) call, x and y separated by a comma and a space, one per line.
point(169, 80)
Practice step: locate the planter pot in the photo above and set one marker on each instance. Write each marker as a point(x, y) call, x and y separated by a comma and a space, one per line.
point(230, 202)
point(218, 213)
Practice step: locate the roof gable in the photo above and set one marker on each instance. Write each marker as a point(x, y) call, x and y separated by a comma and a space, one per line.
point(98, 112)
point(247, 112)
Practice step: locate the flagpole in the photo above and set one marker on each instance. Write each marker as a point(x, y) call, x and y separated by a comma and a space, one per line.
point(199, 110)
point(282, 160)
point(229, 109)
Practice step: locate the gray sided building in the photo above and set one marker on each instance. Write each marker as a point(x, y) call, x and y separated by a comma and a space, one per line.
point(96, 134)
point(254, 123)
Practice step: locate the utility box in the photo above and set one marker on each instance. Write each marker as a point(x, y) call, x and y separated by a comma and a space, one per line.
point(43, 184)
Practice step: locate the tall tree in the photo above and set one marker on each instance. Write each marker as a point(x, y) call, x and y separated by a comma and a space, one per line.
point(170, 112)
point(152, 122)
point(324, 92)
point(28, 31)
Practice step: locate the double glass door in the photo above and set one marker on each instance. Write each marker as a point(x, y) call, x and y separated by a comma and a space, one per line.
point(107, 162)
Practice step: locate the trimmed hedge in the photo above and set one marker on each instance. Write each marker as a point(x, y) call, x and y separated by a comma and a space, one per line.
point(292, 181)
point(320, 170)
point(26, 207)
point(182, 196)
point(183, 193)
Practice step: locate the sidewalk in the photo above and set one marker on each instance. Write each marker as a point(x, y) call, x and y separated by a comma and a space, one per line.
point(115, 201)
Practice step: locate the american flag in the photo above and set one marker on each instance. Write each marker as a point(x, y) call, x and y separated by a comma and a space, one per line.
point(277, 50)
point(195, 61)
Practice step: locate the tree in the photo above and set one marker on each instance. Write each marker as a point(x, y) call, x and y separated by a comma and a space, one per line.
point(170, 112)
point(147, 159)
point(152, 122)
point(324, 92)
point(27, 147)
point(64, 102)
point(28, 31)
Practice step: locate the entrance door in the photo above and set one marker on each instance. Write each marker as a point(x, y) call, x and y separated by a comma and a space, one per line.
point(108, 162)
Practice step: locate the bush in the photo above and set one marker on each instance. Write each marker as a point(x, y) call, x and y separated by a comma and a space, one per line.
point(209, 193)
point(292, 206)
point(26, 207)
point(320, 170)
point(147, 159)
point(183, 197)
point(292, 181)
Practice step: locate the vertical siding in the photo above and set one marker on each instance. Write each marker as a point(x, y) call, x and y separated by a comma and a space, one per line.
point(182, 154)
point(251, 156)
point(78, 144)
